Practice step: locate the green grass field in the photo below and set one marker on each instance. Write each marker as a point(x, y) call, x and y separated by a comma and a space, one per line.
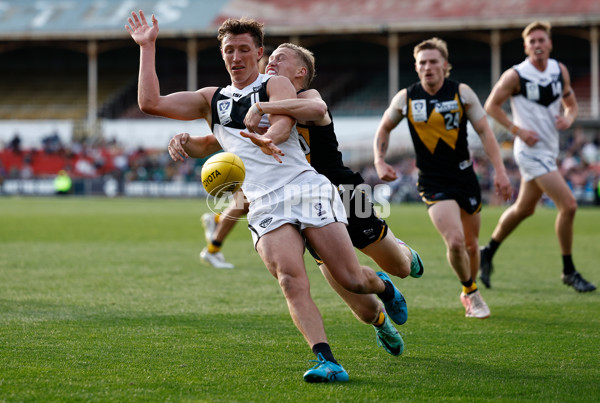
point(106, 300)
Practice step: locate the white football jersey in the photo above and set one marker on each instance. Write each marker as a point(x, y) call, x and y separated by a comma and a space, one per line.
point(263, 173)
point(537, 105)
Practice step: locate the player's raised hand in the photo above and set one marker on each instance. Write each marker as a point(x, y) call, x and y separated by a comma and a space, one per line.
point(265, 144)
point(139, 29)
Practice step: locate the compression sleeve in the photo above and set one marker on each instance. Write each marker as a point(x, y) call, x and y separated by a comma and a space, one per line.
point(475, 111)
point(397, 109)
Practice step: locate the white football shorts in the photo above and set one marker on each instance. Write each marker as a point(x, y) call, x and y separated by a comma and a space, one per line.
point(310, 200)
point(532, 166)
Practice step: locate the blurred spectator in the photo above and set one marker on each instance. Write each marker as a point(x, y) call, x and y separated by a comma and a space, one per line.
point(52, 143)
point(62, 183)
point(15, 144)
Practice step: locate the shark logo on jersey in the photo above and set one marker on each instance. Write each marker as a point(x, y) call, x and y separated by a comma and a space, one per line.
point(224, 109)
point(418, 109)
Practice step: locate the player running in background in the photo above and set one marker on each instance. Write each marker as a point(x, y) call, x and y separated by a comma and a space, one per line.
point(437, 110)
point(537, 88)
point(277, 225)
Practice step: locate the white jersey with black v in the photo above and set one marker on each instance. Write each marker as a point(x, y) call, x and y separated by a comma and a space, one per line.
point(536, 106)
point(263, 173)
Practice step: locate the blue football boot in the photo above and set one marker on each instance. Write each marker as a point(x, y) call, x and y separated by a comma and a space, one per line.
point(325, 371)
point(396, 308)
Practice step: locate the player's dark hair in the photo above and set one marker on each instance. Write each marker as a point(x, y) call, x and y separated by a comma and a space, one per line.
point(242, 26)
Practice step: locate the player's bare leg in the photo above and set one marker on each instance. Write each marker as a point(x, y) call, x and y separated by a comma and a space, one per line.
point(394, 257)
point(282, 252)
point(447, 218)
point(368, 309)
point(332, 243)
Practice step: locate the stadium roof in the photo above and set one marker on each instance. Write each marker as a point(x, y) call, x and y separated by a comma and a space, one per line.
point(86, 19)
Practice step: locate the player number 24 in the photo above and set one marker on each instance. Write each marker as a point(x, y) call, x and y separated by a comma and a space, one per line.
point(452, 120)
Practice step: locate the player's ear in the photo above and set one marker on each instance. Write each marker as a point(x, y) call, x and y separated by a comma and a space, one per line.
point(302, 71)
point(261, 50)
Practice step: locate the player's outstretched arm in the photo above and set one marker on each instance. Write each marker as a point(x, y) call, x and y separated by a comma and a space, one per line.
point(302, 109)
point(490, 145)
point(477, 117)
point(504, 89)
point(186, 105)
point(570, 107)
point(184, 146)
point(391, 118)
point(279, 88)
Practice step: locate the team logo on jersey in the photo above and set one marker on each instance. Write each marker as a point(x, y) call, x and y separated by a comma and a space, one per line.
point(532, 90)
point(224, 107)
point(418, 109)
point(255, 89)
point(446, 106)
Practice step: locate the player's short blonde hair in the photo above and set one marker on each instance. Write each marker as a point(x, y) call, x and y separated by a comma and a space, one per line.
point(537, 25)
point(307, 59)
point(434, 44)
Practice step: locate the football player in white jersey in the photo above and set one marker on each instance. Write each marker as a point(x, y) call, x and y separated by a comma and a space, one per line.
point(537, 88)
point(278, 234)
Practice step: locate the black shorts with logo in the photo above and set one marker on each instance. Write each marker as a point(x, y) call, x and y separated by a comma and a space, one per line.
point(462, 187)
point(365, 227)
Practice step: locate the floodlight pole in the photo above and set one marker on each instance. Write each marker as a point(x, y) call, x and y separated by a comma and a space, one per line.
point(92, 84)
point(496, 55)
point(192, 64)
point(594, 69)
point(393, 67)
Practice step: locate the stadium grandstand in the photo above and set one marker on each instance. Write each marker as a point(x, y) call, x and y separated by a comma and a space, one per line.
point(69, 73)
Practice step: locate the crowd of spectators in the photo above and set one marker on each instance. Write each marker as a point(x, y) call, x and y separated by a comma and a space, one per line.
point(579, 163)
